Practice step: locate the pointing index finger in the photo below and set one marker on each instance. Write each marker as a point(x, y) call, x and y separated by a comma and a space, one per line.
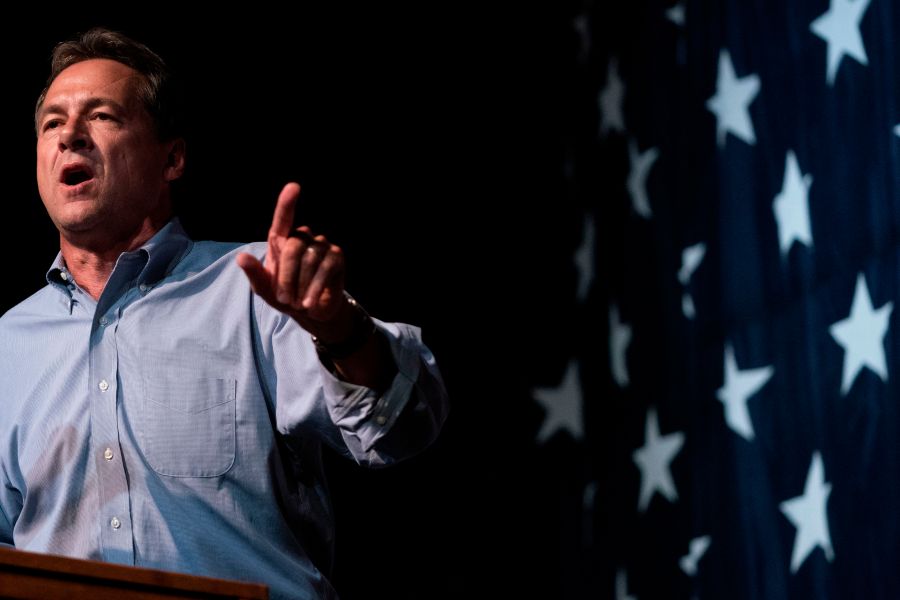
point(283, 219)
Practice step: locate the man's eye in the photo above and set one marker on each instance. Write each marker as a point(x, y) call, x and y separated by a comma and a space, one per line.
point(103, 117)
point(51, 124)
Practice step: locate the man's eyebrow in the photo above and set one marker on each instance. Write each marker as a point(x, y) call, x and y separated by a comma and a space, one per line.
point(90, 104)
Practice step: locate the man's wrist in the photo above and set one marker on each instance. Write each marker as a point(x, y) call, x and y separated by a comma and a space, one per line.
point(362, 329)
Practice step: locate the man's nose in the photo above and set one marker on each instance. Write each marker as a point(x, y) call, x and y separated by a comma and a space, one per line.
point(74, 136)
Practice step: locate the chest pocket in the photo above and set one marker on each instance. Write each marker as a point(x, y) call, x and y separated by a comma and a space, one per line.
point(187, 426)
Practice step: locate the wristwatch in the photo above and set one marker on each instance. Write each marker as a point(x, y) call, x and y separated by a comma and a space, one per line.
point(363, 328)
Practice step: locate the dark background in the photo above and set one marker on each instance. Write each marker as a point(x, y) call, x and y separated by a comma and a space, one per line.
point(429, 141)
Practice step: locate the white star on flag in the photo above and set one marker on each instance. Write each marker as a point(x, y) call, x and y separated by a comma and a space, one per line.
point(839, 27)
point(676, 14)
point(739, 387)
point(862, 336)
point(619, 338)
point(792, 206)
point(696, 550)
point(653, 459)
point(691, 257)
point(610, 100)
point(731, 104)
point(622, 586)
point(584, 257)
point(582, 28)
point(641, 163)
point(562, 405)
point(808, 514)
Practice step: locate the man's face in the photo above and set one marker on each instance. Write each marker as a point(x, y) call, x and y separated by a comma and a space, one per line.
point(101, 170)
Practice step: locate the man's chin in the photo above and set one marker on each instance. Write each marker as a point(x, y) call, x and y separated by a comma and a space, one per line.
point(78, 224)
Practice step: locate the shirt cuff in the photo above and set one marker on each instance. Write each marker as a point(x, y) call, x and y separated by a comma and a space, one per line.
point(362, 410)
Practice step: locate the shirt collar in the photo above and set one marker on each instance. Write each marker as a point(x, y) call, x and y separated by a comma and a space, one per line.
point(162, 253)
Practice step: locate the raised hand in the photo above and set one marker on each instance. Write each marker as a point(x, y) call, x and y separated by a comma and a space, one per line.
point(303, 275)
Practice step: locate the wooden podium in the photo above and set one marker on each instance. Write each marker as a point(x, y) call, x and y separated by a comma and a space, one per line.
point(29, 576)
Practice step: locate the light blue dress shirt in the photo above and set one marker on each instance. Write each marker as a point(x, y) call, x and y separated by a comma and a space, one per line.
point(177, 422)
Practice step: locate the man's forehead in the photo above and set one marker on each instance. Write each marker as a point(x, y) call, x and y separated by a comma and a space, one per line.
point(95, 76)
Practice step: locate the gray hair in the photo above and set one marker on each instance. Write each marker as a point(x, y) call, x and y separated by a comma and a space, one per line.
point(156, 91)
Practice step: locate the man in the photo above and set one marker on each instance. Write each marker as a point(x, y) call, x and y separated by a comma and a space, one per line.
point(163, 407)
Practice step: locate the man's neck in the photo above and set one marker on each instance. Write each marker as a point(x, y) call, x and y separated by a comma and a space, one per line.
point(91, 264)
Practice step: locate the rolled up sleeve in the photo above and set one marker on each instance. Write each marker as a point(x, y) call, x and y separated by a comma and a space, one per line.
point(373, 428)
point(383, 428)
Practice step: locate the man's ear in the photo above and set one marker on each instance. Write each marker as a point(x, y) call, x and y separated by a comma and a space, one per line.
point(174, 167)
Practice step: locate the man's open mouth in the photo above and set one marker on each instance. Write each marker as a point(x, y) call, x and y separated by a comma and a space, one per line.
point(75, 174)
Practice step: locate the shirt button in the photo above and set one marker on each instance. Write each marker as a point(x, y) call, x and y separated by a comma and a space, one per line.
point(144, 287)
point(104, 321)
point(107, 454)
point(381, 419)
point(103, 385)
point(115, 523)
point(63, 275)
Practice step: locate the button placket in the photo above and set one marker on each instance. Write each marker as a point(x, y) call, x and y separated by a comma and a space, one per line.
point(112, 482)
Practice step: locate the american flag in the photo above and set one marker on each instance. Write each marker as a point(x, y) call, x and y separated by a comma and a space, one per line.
point(737, 169)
